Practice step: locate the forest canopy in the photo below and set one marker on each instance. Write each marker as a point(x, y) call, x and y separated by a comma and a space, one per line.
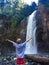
point(16, 10)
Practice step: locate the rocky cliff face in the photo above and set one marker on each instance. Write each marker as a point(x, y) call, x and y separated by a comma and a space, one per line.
point(42, 33)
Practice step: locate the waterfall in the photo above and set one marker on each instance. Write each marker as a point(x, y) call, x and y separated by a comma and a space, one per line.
point(31, 47)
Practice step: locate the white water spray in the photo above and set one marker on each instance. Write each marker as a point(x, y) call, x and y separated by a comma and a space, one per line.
point(31, 47)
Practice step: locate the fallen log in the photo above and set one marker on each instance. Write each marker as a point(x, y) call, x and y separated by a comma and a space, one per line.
point(38, 58)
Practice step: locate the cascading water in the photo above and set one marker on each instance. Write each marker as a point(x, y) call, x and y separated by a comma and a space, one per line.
point(31, 47)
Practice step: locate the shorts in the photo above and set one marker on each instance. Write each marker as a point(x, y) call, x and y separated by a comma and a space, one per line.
point(20, 61)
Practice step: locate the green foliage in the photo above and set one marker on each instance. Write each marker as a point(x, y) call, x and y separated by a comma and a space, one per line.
point(0, 11)
point(15, 12)
point(7, 9)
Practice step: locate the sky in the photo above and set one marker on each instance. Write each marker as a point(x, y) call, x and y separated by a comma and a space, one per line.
point(29, 1)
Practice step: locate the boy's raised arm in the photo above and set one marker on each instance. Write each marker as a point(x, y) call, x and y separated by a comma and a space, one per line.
point(9, 40)
point(28, 40)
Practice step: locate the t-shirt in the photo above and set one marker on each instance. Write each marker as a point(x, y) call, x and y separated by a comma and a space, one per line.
point(20, 49)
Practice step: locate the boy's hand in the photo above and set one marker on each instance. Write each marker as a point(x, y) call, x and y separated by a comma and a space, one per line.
point(9, 40)
point(6, 40)
point(28, 39)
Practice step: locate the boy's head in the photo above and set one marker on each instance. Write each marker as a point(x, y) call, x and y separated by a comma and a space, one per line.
point(19, 41)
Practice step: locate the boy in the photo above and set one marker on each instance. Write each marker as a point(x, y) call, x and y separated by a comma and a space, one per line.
point(20, 48)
